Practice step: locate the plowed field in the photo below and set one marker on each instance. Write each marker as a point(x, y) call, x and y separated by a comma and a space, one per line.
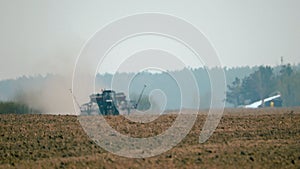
point(260, 138)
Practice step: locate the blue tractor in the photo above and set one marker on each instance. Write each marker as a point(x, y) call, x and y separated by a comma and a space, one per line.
point(111, 103)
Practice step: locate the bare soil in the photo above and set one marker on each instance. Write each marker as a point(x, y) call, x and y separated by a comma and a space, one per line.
point(259, 138)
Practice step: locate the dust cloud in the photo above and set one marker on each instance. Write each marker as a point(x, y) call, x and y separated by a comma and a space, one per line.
point(52, 96)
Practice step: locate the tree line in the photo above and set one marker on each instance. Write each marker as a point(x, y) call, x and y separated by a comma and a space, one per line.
point(264, 83)
point(16, 108)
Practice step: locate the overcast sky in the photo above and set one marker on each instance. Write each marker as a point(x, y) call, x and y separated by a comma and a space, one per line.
point(39, 37)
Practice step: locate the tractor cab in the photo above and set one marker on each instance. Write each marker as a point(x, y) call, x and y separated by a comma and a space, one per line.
point(107, 102)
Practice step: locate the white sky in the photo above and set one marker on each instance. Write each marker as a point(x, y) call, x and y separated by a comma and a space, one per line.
point(39, 37)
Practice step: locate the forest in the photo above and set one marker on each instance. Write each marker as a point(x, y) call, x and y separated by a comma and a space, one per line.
point(264, 83)
point(51, 93)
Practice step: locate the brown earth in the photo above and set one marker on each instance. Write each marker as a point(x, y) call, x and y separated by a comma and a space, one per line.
point(260, 138)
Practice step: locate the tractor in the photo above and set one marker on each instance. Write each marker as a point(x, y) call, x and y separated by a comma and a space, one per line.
point(111, 103)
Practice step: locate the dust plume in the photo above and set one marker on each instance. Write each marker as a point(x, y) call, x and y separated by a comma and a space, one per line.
point(52, 96)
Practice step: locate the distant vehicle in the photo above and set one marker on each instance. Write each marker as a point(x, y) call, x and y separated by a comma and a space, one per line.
point(110, 103)
point(273, 101)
